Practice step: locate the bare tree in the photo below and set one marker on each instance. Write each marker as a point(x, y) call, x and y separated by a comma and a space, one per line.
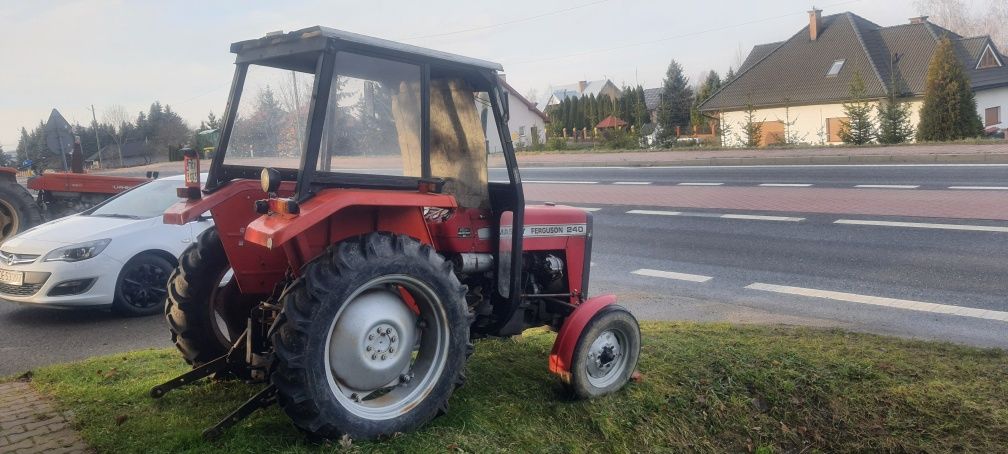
point(117, 116)
point(294, 94)
point(970, 18)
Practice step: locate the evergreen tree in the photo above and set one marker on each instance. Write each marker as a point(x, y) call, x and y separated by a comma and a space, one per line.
point(949, 111)
point(858, 129)
point(729, 75)
point(894, 115)
point(710, 84)
point(674, 107)
point(752, 129)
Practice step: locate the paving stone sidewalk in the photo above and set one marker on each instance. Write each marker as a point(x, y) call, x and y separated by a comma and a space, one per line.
point(30, 424)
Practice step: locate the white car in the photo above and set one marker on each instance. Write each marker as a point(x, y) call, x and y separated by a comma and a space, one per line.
point(118, 254)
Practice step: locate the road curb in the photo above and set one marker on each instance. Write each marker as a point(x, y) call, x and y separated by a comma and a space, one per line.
point(935, 158)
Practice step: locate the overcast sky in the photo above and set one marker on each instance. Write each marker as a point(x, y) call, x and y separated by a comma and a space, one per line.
point(72, 54)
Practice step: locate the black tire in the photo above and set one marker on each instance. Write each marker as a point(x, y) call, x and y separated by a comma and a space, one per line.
point(141, 288)
point(205, 318)
point(313, 305)
point(18, 210)
point(613, 319)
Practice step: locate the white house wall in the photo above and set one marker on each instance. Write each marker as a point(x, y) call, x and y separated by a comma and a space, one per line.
point(809, 121)
point(520, 123)
point(997, 97)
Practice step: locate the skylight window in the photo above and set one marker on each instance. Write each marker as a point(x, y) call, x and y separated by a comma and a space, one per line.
point(835, 69)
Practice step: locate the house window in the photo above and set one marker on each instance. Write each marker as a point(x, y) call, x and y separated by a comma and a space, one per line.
point(835, 69)
point(988, 59)
point(992, 116)
point(521, 131)
point(833, 128)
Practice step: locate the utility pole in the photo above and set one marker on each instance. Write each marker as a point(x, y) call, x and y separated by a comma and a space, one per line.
point(94, 118)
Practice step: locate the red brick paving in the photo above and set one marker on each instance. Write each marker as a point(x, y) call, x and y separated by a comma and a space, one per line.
point(991, 205)
point(30, 424)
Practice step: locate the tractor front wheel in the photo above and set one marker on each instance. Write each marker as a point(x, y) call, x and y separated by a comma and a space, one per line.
point(372, 340)
point(18, 211)
point(606, 353)
point(205, 310)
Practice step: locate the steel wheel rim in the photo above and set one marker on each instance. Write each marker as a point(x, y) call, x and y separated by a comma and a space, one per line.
point(145, 286)
point(607, 358)
point(427, 355)
point(218, 317)
point(9, 221)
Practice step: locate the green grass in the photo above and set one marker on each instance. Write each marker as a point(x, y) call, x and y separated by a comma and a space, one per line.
point(706, 388)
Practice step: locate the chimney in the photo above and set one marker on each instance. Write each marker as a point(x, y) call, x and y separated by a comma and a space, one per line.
point(814, 22)
point(582, 84)
point(918, 20)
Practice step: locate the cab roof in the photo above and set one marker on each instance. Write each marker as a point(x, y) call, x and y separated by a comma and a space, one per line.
point(317, 38)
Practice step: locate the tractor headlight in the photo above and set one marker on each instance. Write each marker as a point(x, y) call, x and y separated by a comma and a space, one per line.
point(77, 252)
point(269, 179)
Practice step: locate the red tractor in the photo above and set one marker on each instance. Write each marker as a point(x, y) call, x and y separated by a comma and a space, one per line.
point(360, 249)
point(58, 194)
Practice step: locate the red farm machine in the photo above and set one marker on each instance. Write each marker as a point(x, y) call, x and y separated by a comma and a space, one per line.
point(57, 194)
point(359, 247)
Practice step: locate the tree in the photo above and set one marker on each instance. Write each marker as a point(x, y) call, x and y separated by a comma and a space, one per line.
point(792, 136)
point(893, 114)
point(729, 75)
point(710, 84)
point(859, 128)
point(674, 107)
point(117, 116)
point(949, 111)
point(751, 128)
point(970, 18)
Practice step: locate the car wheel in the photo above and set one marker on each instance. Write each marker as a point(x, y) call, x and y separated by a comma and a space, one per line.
point(142, 286)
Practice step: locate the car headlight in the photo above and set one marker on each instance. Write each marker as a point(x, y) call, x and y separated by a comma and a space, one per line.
point(77, 252)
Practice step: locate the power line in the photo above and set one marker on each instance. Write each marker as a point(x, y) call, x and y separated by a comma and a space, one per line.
point(667, 38)
point(510, 22)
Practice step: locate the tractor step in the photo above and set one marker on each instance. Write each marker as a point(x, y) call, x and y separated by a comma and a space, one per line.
point(262, 399)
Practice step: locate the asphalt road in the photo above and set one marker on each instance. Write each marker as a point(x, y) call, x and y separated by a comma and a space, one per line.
point(927, 260)
point(928, 176)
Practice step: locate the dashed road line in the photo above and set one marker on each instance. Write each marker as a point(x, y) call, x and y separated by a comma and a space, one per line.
point(558, 182)
point(923, 225)
point(590, 210)
point(785, 185)
point(746, 217)
point(887, 186)
point(882, 301)
point(632, 182)
point(672, 275)
point(981, 188)
point(700, 184)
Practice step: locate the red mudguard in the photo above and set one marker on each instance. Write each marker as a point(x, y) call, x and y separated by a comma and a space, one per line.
point(563, 348)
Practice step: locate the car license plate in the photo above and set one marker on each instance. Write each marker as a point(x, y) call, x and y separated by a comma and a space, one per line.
point(12, 277)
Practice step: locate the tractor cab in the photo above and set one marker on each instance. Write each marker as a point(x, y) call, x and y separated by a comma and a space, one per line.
point(359, 244)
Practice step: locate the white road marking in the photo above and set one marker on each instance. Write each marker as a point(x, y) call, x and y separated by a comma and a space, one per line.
point(888, 186)
point(590, 210)
point(786, 185)
point(558, 182)
point(632, 182)
point(923, 225)
point(981, 188)
point(655, 212)
point(700, 184)
point(753, 217)
point(885, 302)
point(748, 217)
point(672, 275)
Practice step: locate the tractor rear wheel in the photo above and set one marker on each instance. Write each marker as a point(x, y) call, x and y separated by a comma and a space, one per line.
point(206, 312)
point(606, 353)
point(372, 340)
point(18, 211)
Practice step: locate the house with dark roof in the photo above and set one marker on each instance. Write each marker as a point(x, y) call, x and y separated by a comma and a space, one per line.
point(556, 94)
point(525, 120)
point(804, 80)
point(134, 153)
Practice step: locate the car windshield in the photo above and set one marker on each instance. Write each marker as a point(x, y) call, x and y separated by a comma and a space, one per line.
point(145, 201)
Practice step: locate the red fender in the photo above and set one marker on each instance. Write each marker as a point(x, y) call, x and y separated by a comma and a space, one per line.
point(563, 348)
